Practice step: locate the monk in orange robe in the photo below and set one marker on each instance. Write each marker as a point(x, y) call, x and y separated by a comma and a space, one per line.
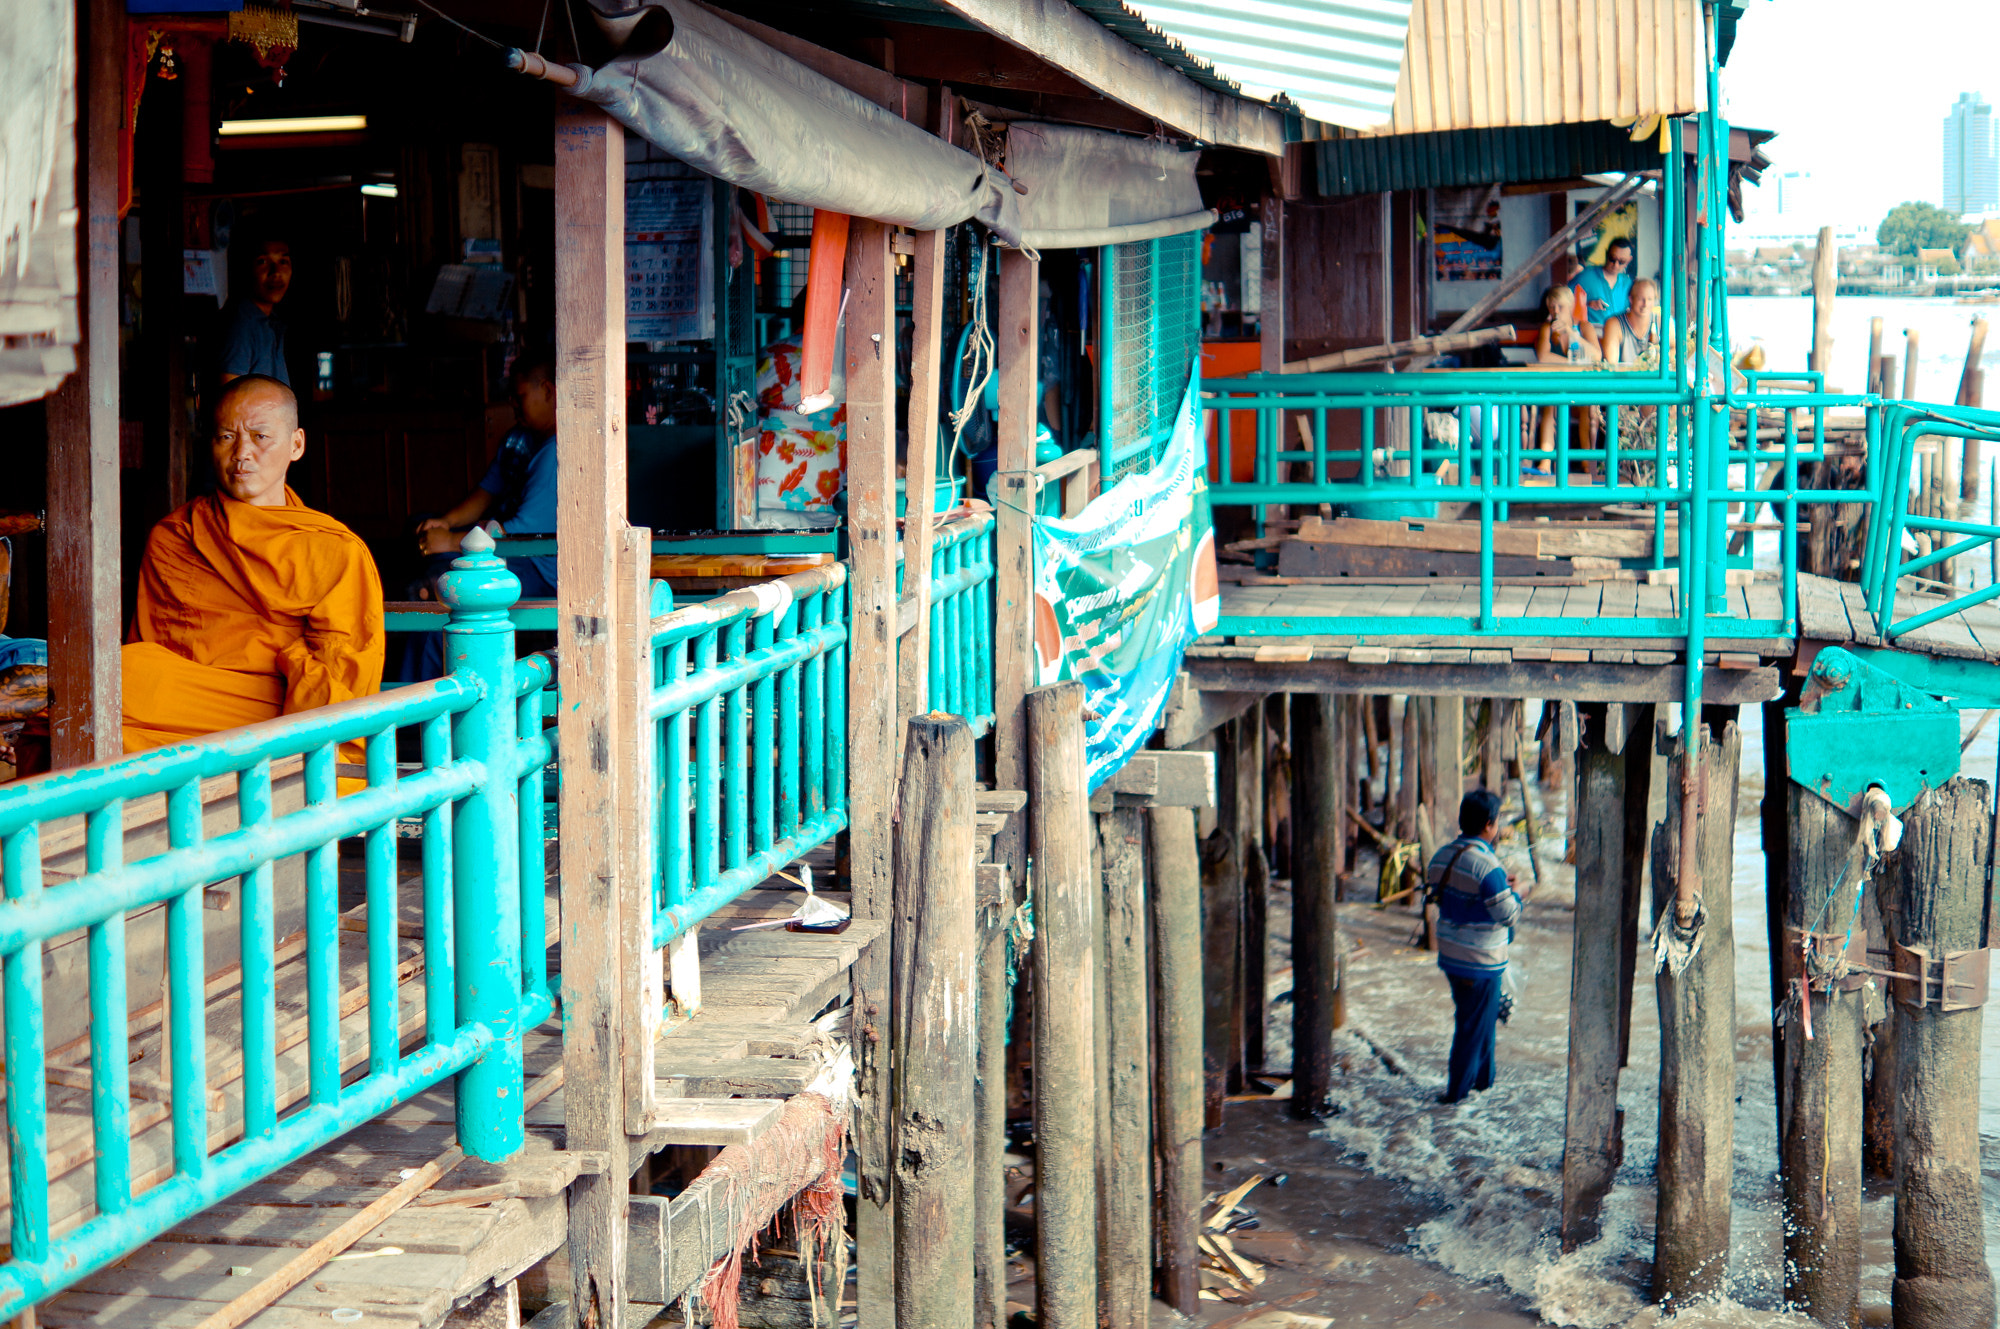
point(251, 605)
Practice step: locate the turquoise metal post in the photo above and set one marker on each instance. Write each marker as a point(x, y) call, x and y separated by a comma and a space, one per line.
point(187, 1001)
point(486, 903)
point(257, 935)
point(110, 1075)
point(761, 774)
point(27, 1091)
point(322, 939)
point(384, 1046)
point(1107, 357)
point(440, 1004)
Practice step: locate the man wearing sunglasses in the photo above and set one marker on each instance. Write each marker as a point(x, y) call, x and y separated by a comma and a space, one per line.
point(1607, 291)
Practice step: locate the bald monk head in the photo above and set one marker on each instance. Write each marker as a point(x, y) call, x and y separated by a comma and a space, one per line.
point(257, 438)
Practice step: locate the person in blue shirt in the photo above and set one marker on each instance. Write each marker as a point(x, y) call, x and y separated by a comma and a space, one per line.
point(518, 492)
point(1607, 291)
point(1477, 906)
point(253, 332)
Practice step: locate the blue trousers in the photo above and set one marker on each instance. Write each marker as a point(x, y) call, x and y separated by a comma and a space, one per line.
point(1476, 1003)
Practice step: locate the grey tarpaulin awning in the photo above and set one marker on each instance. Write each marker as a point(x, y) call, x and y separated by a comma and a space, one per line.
point(726, 103)
point(38, 215)
point(1087, 187)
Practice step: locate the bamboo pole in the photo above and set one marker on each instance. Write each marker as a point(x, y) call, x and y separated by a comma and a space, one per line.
point(1065, 1018)
point(932, 1036)
point(1176, 906)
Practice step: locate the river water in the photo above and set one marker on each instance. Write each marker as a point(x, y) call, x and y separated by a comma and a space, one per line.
point(1494, 1163)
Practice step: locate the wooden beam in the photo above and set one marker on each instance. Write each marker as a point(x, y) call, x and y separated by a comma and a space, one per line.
point(641, 971)
point(1087, 51)
point(1192, 713)
point(1364, 355)
point(1012, 493)
point(86, 599)
point(926, 367)
point(590, 413)
point(1183, 779)
point(1531, 679)
point(871, 728)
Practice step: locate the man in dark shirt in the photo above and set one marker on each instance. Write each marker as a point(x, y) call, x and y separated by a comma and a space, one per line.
point(519, 490)
point(253, 334)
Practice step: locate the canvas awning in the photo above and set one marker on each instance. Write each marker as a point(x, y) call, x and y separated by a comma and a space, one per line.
point(38, 215)
point(728, 104)
point(1338, 60)
point(1087, 187)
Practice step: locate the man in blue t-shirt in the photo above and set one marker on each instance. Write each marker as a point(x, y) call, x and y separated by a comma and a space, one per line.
point(1477, 906)
point(253, 333)
point(1607, 291)
point(518, 492)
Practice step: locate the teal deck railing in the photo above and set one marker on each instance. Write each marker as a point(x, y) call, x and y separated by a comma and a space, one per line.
point(1902, 426)
point(959, 676)
point(748, 715)
point(482, 916)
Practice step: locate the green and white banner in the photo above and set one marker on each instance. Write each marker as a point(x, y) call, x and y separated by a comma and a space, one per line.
point(1122, 588)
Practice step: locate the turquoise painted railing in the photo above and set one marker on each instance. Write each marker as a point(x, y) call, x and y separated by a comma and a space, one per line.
point(960, 671)
point(1902, 426)
point(481, 916)
point(748, 713)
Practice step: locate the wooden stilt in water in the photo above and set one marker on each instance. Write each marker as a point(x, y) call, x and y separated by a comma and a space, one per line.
point(1969, 392)
point(1638, 744)
point(1316, 812)
point(989, 1243)
point(1875, 379)
point(1939, 905)
point(1249, 741)
point(1697, 998)
point(1407, 772)
point(1592, 1144)
point(934, 1040)
point(1222, 928)
point(1825, 277)
point(1127, 1240)
point(1819, 1086)
point(1065, 1021)
point(1177, 1004)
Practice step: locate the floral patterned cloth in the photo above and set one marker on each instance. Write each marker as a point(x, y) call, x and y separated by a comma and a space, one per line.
point(801, 459)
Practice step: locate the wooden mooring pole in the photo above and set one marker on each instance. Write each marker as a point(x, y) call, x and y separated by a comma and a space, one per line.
point(1612, 775)
point(934, 1039)
point(1825, 277)
point(1316, 843)
point(1819, 1077)
point(1064, 1019)
point(1125, 1266)
point(1940, 906)
point(1177, 1005)
point(1696, 987)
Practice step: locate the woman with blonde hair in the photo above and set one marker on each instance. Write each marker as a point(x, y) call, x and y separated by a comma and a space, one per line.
point(1561, 339)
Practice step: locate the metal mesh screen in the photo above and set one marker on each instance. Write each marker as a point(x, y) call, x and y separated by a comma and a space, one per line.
point(1153, 325)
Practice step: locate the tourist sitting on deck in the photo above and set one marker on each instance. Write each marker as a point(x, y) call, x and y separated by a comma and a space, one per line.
point(1477, 906)
point(1607, 290)
point(1633, 337)
point(251, 605)
point(1561, 339)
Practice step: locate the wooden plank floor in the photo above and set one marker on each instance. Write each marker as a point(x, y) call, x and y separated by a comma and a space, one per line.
point(1828, 611)
point(756, 1035)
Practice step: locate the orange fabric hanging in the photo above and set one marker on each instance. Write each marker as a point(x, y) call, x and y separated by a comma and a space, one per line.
point(824, 276)
point(247, 613)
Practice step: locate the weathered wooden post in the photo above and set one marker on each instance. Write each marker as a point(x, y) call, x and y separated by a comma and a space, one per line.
point(1875, 355)
point(1819, 1078)
point(1970, 390)
point(1608, 859)
point(1695, 981)
point(1316, 815)
point(933, 1039)
point(1248, 811)
point(989, 1242)
point(1065, 1018)
point(1222, 923)
point(1177, 1109)
point(1938, 931)
point(1825, 278)
point(1127, 1253)
point(1408, 794)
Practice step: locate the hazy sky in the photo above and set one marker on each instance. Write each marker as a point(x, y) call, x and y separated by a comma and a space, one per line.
point(1858, 91)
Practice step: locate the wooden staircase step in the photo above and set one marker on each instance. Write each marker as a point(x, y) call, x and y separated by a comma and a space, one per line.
point(716, 1121)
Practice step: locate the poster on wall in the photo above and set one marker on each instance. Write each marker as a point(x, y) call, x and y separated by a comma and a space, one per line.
point(669, 272)
point(1122, 588)
point(1465, 231)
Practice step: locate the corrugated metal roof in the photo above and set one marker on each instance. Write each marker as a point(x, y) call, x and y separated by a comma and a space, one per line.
point(1483, 64)
point(1337, 60)
point(1479, 156)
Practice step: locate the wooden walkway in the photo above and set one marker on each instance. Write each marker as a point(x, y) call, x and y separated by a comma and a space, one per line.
point(453, 1256)
point(1594, 668)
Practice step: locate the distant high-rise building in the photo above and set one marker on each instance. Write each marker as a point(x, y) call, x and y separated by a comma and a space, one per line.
point(1971, 157)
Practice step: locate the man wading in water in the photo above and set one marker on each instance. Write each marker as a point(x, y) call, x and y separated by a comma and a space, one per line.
point(1477, 906)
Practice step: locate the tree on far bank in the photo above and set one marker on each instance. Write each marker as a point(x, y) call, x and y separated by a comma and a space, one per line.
point(1912, 226)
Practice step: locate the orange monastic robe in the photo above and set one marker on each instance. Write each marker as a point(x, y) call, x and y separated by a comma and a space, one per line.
point(247, 613)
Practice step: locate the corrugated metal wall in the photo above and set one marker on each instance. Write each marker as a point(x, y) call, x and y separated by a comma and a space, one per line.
point(1480, 64)
point(1479, 157)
